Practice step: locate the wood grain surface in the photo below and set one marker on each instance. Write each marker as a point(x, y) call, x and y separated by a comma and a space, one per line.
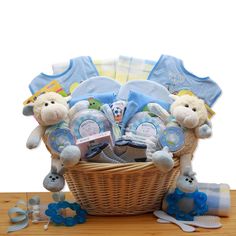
point(118, 226)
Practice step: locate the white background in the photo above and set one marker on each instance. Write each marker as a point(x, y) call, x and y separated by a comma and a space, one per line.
point(36, 34)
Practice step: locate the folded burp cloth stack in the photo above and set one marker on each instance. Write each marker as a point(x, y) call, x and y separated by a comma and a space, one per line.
point(218, 198)
point(130, 68)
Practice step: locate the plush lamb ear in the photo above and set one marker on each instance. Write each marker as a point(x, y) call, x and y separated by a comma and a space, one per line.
point(68, 98)
point(174, 97)
point(208, 122)
point(28, 110)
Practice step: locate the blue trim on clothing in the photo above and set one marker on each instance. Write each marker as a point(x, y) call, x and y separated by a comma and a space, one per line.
point(155, 66)
point(216, 97)
point(71, 63)
point(30, 88)
point(191, 74)
point(95, 68)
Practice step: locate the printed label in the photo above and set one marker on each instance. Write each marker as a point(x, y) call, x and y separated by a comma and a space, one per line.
point(146, 129)
point(88, 128)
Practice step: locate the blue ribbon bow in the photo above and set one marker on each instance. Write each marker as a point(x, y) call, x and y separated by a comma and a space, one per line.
point(21, 220)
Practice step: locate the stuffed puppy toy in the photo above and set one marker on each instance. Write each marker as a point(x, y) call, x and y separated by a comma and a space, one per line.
point(189, 113)
point(51, 111)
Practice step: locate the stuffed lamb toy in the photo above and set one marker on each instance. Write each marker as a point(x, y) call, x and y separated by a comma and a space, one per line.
point(189, 113)
point(51, 111)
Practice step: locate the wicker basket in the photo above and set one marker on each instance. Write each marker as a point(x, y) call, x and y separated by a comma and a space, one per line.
point(119, 189)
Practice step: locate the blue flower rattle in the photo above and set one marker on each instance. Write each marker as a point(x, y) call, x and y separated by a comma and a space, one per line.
point(184, 205)
point(54, 212)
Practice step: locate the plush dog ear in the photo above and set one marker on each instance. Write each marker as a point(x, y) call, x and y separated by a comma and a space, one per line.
point(28, 110)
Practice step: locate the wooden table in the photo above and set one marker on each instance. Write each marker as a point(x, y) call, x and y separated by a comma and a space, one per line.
point(126, 225)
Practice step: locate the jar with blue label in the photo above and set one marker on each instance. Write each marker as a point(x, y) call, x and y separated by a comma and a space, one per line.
point(89, 122)
point(57, 137)
point(145, 125)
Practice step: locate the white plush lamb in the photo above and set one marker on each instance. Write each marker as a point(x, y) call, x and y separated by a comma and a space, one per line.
point(51, 112)
point(190, 114)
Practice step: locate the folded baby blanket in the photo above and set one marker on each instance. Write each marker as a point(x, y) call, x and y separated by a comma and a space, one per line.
point(130, 68)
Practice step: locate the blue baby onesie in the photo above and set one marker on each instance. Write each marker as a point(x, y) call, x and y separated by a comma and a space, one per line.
point(170, 72)
point(79, 69)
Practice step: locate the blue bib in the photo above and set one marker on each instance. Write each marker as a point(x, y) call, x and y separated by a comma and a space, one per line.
point(79, 70)
point(170, 72)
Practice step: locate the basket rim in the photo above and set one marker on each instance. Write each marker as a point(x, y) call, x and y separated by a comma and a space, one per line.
point(117, 167)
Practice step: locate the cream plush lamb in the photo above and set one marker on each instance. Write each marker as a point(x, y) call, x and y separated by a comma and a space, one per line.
point(51, 112)
point(189, 113)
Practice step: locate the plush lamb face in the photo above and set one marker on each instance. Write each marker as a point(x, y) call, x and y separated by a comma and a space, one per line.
point(49, 109)
point(189, 111)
